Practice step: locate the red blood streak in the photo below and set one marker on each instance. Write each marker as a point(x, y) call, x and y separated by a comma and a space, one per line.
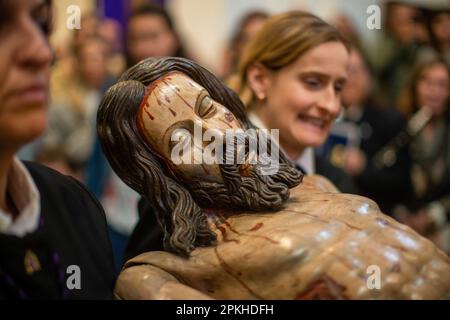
point(173, 112)
point(257, 226)
point(149, 115)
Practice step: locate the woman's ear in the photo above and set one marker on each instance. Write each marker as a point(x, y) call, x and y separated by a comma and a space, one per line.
point(259, 80)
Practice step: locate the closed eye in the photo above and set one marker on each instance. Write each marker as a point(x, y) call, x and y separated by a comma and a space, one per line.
point(205, 107)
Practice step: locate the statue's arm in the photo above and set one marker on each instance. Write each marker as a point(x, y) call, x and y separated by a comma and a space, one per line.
point(147, 282)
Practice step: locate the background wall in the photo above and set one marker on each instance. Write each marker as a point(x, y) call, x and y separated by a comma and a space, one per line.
point(60, 32)
point(206, 25)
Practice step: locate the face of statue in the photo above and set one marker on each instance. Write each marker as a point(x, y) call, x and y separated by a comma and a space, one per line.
point(173, 113)
point(182, 195)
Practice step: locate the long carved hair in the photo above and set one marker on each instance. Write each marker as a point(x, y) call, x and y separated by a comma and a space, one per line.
point(183, 221)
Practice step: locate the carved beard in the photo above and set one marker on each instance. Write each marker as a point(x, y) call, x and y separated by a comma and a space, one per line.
point(247, 191)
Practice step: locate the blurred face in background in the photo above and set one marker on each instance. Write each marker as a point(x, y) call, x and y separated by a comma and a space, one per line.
point(249, 29)
point(111, 32)
point(433, 89)
point(440, 27)
point(25, 58)
point(92, 62)
point(359, 82)
point(89, 27)
point(406, 23)
point(150, 36)
point(303, 98)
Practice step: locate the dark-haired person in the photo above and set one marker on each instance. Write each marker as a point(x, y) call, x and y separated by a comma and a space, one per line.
point(248, 26)
point(402, 45)
point(439, 27)
point(151, 33)
point(53, 238)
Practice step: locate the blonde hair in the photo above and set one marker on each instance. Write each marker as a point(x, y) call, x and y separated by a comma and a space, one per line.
point(281, 41)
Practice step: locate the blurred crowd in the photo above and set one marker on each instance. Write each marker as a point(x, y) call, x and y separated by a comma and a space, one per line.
point(392, 136)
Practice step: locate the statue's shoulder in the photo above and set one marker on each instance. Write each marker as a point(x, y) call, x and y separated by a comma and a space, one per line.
point(315, 183)
point(154, 258)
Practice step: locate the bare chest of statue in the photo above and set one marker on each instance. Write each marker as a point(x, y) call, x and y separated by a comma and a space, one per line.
point(310, 250)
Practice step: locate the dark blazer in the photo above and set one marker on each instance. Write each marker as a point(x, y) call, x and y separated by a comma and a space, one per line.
point(147, 235)
point(388, 186)
point(339, 177)
point(71, 239)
